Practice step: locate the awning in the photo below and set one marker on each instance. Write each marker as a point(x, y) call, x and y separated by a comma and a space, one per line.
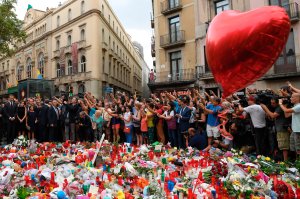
point(12, 90)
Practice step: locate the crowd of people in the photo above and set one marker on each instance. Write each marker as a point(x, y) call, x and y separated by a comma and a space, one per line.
point(261, 122)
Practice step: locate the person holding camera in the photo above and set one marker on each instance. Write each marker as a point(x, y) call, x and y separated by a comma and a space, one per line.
point(295, 112)
point(258, 118)
point(194, 139)
point(281, 126)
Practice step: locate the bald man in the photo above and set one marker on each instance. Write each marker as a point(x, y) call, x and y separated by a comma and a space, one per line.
point(295, 111)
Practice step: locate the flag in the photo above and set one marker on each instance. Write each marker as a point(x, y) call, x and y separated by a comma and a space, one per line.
point(8, 85)
point(38, 74)
point(29, 7)
point(75, 58)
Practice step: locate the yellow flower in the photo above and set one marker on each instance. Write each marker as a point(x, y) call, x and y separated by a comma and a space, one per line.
point(268, 159)
point(255, 197)
point(236, 183)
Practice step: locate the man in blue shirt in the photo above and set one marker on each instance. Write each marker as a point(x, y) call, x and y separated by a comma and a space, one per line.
point(212, 111)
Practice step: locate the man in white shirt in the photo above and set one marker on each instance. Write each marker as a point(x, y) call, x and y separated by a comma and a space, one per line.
point(258, 118)
point(295, 111)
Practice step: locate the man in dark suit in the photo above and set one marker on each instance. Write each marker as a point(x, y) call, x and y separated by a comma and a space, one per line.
point(72, 111)
point(10, 113)
point(42, 121)
point(53, 121)
point(183, 118)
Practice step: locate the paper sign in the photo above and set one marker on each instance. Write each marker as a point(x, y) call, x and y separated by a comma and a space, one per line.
point(158, 148)
point(93, 190)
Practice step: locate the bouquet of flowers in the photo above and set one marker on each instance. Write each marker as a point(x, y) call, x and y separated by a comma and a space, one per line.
point(20, 141)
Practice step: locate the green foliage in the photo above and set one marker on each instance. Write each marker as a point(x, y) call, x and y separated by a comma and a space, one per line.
point(24, 192)
point(11, 28)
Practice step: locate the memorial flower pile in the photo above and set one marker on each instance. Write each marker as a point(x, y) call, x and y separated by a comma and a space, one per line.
point(110, 171)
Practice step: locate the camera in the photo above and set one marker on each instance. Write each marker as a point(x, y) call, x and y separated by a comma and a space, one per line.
point(185, 132)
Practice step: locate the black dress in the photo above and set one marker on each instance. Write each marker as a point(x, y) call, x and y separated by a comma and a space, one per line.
point(21, 113)
point(31, 118)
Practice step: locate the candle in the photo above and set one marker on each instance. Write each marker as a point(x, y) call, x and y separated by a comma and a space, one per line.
point(180, 195)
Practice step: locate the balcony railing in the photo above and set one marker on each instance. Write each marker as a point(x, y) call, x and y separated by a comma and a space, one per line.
point(153, 46)
point(203, 72)
point(293, 11)
point(285, 64)
point(68, 49)
point(181, 75)
point(172, 39)
point(56, 53)
point(170, 6)
point(82, 44)
point(153, 50)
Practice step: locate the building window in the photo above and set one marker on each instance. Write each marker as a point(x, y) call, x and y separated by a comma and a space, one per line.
point(174, 28)
point(3, 64)
point(103, 35)
point(279, 2)
point(69, 40)
point(103, 9)
point(109, 67)
point(286, 62)
point(57, 44)
point(29, 68)
point(175, 65)
point(81, 88)
point(70, 67)
point(58, 21)
point(19, 72)
point(69, 15)
point(58, 71)
point(220, 6)
point(7, 65)
point(207, 69)
point(103, 63)
point(82, 35)
point(82, 7)
point(41, 64)
point(83, 64)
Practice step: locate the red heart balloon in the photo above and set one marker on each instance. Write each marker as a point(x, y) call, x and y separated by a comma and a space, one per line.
point(242, 47)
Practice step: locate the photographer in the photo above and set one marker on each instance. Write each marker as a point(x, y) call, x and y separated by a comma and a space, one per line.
point(292, 88)
point(295, 111)
point(258, 118)
point(281, 126)
point(194, 139)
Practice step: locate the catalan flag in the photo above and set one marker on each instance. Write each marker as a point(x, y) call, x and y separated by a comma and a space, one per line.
point(8, 85)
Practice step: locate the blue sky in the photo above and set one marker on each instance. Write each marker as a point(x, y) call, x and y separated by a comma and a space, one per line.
point(133, 14)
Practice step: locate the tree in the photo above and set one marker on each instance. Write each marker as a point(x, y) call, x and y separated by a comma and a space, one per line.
point(11, 31)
